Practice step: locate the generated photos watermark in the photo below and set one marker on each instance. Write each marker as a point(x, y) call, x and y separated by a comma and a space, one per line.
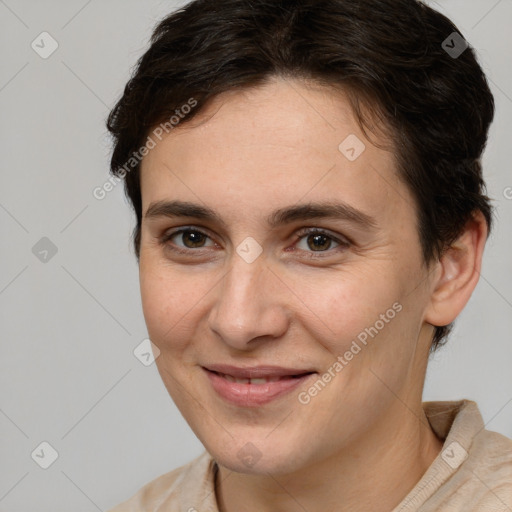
point(157, 134)
point(342, 361)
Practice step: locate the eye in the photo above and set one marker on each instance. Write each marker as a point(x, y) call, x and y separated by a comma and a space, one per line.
point(316, 240)
point(191, 238)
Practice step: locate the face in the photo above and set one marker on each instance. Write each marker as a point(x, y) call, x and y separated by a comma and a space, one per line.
point(252, 279)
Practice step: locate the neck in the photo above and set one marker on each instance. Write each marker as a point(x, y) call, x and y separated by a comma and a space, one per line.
point(374, 473)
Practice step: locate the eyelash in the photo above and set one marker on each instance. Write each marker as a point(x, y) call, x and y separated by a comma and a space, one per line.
point(343, 243)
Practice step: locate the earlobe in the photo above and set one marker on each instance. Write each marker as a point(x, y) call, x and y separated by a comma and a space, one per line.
point(459, 271)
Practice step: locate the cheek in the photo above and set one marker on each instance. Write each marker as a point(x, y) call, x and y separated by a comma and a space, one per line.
point(350, 308)
point(369, 330)
point(171, 303)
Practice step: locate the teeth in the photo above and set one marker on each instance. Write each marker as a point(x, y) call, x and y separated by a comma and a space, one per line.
point(232, 379)
point(263, 380)
point(259, 381)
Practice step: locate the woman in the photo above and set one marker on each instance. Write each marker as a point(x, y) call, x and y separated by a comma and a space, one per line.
point(311, 219)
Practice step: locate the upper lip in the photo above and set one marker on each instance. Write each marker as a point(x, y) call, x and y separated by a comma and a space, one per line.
point(256, 372)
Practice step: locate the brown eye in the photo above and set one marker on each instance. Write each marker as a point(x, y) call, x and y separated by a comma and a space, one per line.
point(192, 239)
point(320, 241)
point(185, 240)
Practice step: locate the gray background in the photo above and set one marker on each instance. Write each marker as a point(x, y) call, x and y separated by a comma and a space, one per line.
point(68, 374)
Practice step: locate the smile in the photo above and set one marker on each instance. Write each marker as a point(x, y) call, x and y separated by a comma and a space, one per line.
point(254, 391)
point(256, 381)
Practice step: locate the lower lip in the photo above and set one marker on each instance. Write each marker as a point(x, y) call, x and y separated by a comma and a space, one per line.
point(252, 395)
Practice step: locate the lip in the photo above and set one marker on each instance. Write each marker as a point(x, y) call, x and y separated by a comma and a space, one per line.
point(254, 395)
point(256, 372)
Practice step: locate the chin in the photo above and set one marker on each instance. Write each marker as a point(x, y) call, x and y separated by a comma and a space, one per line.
point(247, 458)
point(275, 466)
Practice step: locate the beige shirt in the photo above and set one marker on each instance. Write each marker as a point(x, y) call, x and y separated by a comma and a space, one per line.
point(473, 472)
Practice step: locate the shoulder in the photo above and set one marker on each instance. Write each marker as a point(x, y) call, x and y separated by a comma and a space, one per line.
point(473, 471)
point(167, 487)
point(490, 471)
point(480, 479)
point(491, 454)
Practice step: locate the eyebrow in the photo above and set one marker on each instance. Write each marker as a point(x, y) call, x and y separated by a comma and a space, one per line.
point(282, 216)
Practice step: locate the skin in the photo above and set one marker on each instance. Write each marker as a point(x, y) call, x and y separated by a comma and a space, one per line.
point(363, 442)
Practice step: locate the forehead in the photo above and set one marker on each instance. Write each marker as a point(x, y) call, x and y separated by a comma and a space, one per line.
point(277, 143)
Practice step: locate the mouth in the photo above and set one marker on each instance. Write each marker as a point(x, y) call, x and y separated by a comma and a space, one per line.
point(258, 380)
point(250, 387)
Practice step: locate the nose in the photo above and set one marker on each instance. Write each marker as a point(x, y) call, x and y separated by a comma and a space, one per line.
point(250, 305)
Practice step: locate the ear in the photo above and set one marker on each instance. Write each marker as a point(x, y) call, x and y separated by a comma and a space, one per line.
point(457, 273)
